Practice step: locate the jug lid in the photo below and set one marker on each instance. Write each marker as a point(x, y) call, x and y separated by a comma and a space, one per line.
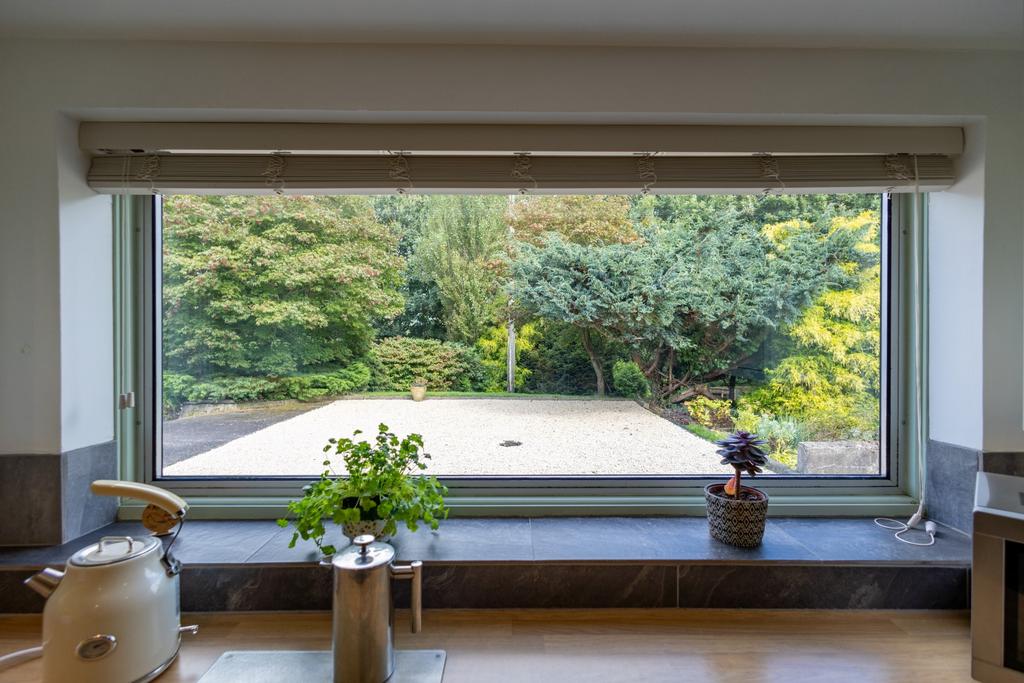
point(363, 554)
point(113, 549)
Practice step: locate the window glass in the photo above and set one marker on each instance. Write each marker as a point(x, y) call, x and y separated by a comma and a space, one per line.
point(576, 335)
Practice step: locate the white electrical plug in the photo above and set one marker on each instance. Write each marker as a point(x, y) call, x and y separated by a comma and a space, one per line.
point(930, 528)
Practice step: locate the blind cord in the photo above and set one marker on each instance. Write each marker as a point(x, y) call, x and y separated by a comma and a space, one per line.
point(915, 520)
point(645, 169)
point(770, 171)
point(399, 171)
point(521, 166)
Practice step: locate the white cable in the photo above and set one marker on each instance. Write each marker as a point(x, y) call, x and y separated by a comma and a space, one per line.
point(892, 524)
point(930, 528)
point(918, 233)
point(21, 656)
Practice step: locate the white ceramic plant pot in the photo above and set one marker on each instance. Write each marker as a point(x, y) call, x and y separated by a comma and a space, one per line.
point(374, 527)
point(418, 393)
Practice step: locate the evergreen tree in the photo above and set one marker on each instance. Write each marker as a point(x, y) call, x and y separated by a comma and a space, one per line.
point(690, 301)
point(461, 251)
point(831, 380)
point(590, 220)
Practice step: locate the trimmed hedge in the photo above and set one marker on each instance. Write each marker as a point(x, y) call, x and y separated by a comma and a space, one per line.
point(447, 366)
point(181, 388)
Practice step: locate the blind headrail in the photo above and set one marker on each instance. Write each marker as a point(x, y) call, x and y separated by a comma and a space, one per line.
point(339, 138)
point(376, 173)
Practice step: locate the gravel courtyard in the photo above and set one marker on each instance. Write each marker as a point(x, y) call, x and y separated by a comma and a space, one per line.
point(465, 437)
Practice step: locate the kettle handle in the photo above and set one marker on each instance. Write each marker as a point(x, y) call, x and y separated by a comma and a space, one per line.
point(163, 499)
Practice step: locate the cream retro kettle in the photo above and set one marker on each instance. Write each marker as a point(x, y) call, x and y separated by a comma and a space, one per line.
point(112, 616)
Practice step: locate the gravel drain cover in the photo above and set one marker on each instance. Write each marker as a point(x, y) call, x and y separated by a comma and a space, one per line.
point(511, 443)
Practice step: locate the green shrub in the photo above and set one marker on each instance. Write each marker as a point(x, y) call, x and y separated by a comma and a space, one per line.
point(628, 380)
point(176, 388)
point(783, 434)
point(447, 366)
point(229, 389)
point(313, 385)
point(747, 418)
point(822, 416)
point(710, 413)
point(181, 388)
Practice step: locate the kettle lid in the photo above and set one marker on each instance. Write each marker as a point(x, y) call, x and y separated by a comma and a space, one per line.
point(112, 549)
point(364, 554)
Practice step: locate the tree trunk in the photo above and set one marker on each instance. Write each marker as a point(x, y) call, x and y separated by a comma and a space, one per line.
point(510, 358)
point(653, 375)
point(594, 360)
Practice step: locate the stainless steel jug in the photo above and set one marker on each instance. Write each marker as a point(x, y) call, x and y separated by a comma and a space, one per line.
point(364, 612)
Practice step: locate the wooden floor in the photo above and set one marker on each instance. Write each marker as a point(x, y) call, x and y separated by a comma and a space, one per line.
point(560, 646)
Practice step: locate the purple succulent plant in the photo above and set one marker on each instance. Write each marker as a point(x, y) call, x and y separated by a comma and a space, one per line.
point(742, 450)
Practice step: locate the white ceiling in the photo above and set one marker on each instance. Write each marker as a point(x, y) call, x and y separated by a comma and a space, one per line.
point(938, 24)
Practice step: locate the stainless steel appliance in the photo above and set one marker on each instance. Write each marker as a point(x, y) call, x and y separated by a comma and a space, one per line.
point(112, 616)
point(363, 639)
point(364, 611)
point(997, 580)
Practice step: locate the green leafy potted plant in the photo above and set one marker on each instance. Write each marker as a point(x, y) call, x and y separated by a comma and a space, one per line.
point(737, 513)
point(418, 389)
point(381, 487)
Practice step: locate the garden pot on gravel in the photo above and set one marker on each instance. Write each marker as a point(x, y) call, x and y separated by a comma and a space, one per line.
point(418, 392)
point(737, 522)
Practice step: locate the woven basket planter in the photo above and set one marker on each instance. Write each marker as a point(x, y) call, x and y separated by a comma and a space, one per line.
point(736, 522)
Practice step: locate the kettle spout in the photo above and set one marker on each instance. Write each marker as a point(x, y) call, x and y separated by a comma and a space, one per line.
point(45, 582)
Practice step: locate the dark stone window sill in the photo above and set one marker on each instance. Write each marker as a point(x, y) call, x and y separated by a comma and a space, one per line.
point(560, 563)
point(605, 540)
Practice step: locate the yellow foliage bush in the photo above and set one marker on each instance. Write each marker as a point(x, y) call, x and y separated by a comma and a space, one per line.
point(710, 413)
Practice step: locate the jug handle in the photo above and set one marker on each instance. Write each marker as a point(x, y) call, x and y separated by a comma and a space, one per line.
point(414, 572)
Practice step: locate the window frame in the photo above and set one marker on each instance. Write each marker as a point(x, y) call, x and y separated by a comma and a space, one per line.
point(889, 493)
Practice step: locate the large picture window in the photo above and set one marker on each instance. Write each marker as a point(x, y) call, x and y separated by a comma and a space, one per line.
point(574, 338)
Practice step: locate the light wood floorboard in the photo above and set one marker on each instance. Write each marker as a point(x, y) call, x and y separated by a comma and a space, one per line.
point(608, 646)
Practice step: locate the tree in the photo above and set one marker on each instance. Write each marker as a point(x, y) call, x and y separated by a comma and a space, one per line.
point(761, 210)
point(831, 380)
point(580, 219)
point(270, 286)
point(589, 220)
point(405, 215)
point(423, 315)
point(690, 301)
point(461, 251)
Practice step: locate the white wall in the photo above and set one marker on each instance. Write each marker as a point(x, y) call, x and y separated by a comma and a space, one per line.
point(29, 261)
point(956, 245)
point(1004, 287)
point(157, 81)
point(86, 299)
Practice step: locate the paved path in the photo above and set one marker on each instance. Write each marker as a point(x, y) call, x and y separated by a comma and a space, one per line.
point(197, 434)
point(466, 437)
